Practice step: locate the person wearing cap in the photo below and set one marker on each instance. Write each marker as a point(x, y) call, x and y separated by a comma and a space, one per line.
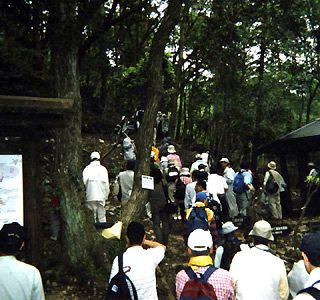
point(18, 280)
point(256, 272)
point(200, 246)
point(274, 199)
point(310, 250)
point(140, 264)
point(228, 174)
point(313, 207)
point(180, 191)
point(202, 201)
point(312, 170)
point(128, 147)
point(199, 161)
point(96, 180)
point(172, 155)
point(228, 248)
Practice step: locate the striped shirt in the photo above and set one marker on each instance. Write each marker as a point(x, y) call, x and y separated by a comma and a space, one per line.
point(220, 280)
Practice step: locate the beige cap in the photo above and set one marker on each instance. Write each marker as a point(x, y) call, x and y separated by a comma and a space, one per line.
point(272, 165)
point(171, 149)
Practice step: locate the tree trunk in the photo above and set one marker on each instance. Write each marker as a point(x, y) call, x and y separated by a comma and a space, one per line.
point(136, 203)
point(80, 240)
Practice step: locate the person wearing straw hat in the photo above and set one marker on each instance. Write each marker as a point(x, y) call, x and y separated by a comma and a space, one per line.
point(228, 174)
point(274, 198)
point(256, 272)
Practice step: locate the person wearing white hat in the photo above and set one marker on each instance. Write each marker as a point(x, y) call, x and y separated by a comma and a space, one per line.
point(256, 272)
point(200, 246)
point(274, 197)
point(229, 247)
point(199, 161)
point(96, 180)
point(174, 156)
point(228, 174)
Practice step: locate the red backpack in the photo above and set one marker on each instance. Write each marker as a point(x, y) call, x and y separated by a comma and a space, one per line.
point(198, 287)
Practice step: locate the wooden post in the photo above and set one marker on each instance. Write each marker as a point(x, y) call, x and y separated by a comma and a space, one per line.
point(32, 197)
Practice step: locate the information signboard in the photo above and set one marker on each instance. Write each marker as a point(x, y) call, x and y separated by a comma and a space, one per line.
point(11, 189)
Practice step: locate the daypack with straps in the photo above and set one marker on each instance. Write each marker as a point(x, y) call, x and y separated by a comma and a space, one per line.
point(180, 190)
point(238, 183)
point(271, 185)
point(121, 286)
point(197, 219)
point(173, 174)
point(312, 291)
point(198, 287)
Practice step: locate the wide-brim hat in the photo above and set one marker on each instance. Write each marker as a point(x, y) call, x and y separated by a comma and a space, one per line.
point(185, 172)
point(272, 165)
point(228, 227)
point(262, 229)
point(200, 240)
point(224, 159)
point(171, 149)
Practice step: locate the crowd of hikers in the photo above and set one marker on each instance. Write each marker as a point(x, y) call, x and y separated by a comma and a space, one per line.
point(205, 199)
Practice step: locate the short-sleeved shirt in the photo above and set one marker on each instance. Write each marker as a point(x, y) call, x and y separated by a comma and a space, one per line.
point(220, 280)
point(142, 265)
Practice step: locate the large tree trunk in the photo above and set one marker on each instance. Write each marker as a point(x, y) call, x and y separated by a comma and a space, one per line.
point(136, 203)
point(80, 240)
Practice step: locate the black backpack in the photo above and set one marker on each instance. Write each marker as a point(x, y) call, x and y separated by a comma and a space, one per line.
point(271, 186)
point(173, 174)
point(312, 291)
point(180, 190)
point(230, 248)
point(121, 286)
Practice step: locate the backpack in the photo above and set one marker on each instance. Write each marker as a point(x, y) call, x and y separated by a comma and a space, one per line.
point(311, 290)
point(180, 190)
point(214, 205)
point(198, 287)
point(173, 174)
point(198, 219)
point(271, 185)
point(238, 183)
point(121, 286)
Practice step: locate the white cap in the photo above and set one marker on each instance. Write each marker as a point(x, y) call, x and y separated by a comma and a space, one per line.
point(262, 229)
point(200, 240)
point(224, 159)
point(94, 155)
point(171, 149)
point(228, 227)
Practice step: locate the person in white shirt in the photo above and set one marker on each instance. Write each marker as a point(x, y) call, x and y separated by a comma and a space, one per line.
point(199, 161)
point(190, 195)
point(140, 264)
point(257, 273)
point(310, 250)
point(18, 280)
point(228, 174)
point(125, 181)
point(96, 180)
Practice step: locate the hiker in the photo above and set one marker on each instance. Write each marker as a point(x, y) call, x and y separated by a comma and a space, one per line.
point(229, 174)
point(172, 155)
point(200, 216)
point(181, 184)
point(165, 125)
point(310, 250)
point(217, 186)
point(273, 189)
point(219, 281)
point(158, 201)
point(172, 174)
point(125, 182)
point(313, 207)
point(256, 272)
point(229, 246)
point(197, 162)
point(190, 196)
point(96, 180)
point(129, 148)
point(243, 188)
point(18, 280)
point(140, 264)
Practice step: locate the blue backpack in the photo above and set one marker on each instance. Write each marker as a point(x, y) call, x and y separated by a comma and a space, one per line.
point(198, 219)
point(238, 183)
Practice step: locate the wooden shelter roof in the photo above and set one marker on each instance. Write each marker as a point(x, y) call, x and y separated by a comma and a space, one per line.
point(305, 138)
point(19, 113)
